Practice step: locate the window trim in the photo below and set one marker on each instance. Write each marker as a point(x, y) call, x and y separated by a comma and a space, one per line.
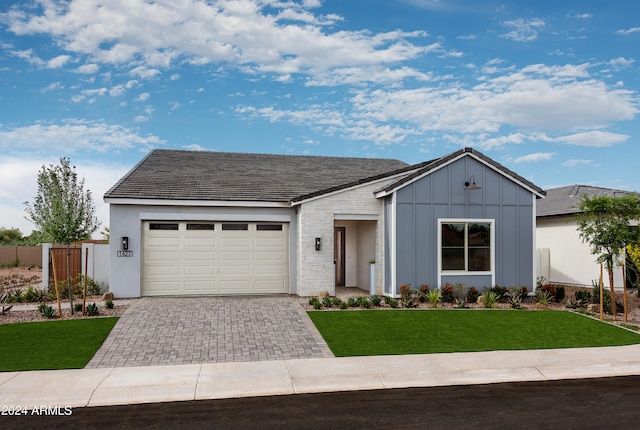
point(492, 247)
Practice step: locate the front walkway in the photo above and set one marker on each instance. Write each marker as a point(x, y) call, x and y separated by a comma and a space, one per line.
point(197, 330)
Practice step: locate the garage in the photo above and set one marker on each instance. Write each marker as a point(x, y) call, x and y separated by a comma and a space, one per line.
point(209, 258)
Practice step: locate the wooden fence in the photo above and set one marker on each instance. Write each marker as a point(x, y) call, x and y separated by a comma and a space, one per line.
point(60, 255)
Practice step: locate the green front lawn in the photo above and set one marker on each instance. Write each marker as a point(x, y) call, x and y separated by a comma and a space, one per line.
point(384, 332)
point(64, 344)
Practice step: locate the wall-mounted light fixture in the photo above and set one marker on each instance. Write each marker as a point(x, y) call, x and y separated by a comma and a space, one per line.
point(471, 184)
point(125, 243)
point(318, 244)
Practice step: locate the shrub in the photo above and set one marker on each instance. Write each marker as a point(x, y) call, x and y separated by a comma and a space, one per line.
point(91, 310)
point(315, 302)
point(365, 303)
point(472, 295)
point(108, 304)
point(327, 301)
point(77, 307)
point(500, 292)
point(543, 297)
point(46, 310)
point(490, 298)
point(352, 302)
point(583, 295)
point(424, 288)
point(14, 296)
point(559, 294)
point(376, 300)
point(408, 297)
point(448, 294)
point(606, 299)
point(32, 295)
point(393, 303)
point(549, 289)
point(433, 297)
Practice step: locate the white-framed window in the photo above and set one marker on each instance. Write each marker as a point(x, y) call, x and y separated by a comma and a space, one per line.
point(466, 246)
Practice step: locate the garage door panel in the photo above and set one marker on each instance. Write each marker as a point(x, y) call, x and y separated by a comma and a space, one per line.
point(163, 241)
point(205, 242)
point(199, 270)
point(199, 260)
point(161, 271)
point(235, 286)
point(199, 287)
point(190, 256)
point(266, 285)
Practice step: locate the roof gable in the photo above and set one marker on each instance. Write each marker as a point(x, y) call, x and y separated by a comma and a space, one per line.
point(228, 176)
point(431, 166)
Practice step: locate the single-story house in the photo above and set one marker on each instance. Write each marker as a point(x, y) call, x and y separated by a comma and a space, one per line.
point(219, 223)
point(564, 257)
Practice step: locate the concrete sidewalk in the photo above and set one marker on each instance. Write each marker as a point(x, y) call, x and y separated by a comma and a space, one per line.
point(130, 385)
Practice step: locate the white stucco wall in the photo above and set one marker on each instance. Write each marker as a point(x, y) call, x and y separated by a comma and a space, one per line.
point(571, 261)
point(317, 218)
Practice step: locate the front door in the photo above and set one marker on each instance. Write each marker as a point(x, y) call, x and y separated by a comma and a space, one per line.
point(338, 255)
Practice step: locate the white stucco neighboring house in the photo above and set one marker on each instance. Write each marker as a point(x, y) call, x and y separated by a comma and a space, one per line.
point(220, 223)
point(567, 259)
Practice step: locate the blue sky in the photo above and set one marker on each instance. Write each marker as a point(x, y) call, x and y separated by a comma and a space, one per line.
point(550, 89)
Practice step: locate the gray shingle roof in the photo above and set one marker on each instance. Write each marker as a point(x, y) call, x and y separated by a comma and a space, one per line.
point(228, 176)
point(565, 200)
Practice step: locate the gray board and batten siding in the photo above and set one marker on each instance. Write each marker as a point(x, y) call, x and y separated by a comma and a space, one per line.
point(441, 195)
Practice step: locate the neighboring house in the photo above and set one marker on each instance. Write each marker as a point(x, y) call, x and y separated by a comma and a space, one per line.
point(194, 223)
point(565, 258)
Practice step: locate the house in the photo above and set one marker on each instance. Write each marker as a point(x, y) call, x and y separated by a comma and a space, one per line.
point(195, 223)
point(564, 257)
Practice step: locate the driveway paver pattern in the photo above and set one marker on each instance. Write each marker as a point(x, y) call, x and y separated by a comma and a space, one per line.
point(167, 331)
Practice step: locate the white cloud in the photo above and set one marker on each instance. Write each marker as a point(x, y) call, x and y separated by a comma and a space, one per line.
point(53, 86)
point(594, 138)
point(576, 162)
point(88, 69)
point(293, 39)
point(628, 31)
point(28, 56)
point(73, 135)
point(58, 61)
point(534, 103)
point(194, 147)
point(174, 77)
point(538, 156)
point(523, 30)
point(143, 97)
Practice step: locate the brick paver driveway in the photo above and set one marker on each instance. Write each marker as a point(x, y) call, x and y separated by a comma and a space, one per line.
point(161, 331)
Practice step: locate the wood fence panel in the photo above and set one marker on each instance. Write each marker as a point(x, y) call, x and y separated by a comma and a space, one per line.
point(60, 254)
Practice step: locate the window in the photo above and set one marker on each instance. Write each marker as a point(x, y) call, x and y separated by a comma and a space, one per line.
point(163, 226)
point(466, 246)
point(235, 226)
point(200, 226)
point(269, 227)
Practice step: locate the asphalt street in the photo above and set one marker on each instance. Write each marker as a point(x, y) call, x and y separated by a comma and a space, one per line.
point(607, 403)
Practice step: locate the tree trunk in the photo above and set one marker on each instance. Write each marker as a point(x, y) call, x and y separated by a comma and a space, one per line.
point(613, 296)
point(69, 278)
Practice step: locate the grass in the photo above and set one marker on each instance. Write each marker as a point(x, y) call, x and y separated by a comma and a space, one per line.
point(64, 344)
point(384, 332)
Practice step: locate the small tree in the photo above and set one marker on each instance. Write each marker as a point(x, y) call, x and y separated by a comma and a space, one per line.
point(10, 236)
point(604, 224)
point(62, 209)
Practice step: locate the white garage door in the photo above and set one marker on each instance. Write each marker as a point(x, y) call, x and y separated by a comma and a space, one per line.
point(196, 258)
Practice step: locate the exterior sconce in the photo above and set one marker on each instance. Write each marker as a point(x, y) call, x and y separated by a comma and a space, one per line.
point(125, 243)
point(318, 244)
point(471, 184)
